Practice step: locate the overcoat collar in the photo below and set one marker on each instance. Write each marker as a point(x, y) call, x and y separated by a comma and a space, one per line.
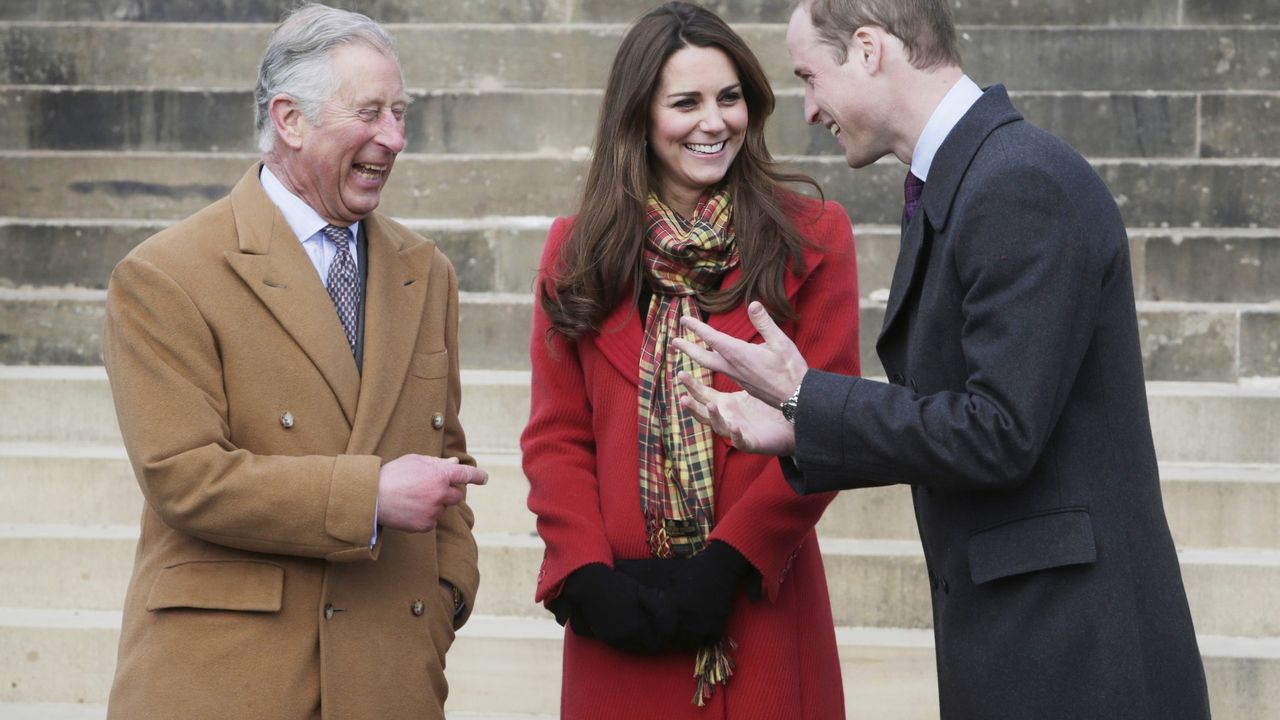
point(273, 264)
point(991, 111)
point(622, 333)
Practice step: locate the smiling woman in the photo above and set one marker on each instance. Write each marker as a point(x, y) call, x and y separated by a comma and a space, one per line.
point(666, 548)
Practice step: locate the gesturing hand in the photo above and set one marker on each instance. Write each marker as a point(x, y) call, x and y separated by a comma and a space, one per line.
point(414, 489)
point(749, 423)
point(770, 371)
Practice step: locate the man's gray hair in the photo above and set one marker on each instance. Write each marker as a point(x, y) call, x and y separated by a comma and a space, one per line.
point(297, 61)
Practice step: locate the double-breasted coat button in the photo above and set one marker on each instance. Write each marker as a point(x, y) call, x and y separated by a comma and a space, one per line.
point(328, 612)
point(416, 608)
point(286, 419)
point(898, 379)
point(437, 421)
point(946, 588)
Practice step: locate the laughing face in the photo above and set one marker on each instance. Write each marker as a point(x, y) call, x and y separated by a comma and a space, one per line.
point(341, 162)
point(839, 96)
point(697, 122)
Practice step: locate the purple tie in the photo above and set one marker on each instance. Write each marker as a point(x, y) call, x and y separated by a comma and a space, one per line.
point(911, 189)
point(344, 281)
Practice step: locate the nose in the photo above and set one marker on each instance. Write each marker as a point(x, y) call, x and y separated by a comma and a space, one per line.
point(712, 121)
point(390, 132)
point(810, 108)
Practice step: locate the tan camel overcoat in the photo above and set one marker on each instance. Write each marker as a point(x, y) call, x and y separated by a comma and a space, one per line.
point(257, 443)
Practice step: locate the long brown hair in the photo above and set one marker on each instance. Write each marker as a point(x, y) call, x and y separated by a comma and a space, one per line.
point(601, 261)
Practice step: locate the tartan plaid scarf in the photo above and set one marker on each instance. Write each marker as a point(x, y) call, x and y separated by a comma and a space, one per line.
point(681, 259)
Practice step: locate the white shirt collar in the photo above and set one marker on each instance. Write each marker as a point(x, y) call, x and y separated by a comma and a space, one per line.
point(302, 218)
point(954, 105)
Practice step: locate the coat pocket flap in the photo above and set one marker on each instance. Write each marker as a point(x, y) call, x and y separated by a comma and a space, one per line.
point(244, 585)
point(430, 365)
point(1056, 539)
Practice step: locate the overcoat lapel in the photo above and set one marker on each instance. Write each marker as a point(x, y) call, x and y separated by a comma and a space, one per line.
point(991, 111)
point(393, 312)
point(273, 264)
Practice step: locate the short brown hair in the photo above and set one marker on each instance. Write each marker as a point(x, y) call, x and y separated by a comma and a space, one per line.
point(925, 27)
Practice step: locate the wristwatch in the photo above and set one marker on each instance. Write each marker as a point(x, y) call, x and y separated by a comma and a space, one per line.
point(789, 406)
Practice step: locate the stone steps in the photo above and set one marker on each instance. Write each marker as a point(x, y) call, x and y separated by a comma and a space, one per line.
point(1192, 422)
point(1098, 124)
point(1115, 12)
point(492, 56)
point(1208, 505)
point(887, 674)
point(501, 254)
point(1153, 193)
point(1220, 342)
point(873, 583)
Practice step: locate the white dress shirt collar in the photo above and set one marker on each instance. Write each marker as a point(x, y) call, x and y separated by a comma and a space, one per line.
point(302, 218)
point(954, 105)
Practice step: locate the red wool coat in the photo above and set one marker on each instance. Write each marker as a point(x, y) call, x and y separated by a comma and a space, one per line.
point(580, 455)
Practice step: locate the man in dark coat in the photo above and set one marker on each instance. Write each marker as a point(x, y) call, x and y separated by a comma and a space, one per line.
point(1016, 405)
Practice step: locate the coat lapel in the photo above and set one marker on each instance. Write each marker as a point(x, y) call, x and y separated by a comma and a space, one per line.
point(393, 312)
point(991, 111)
point(273, 264)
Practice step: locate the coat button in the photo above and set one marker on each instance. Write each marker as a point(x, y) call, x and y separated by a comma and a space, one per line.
point(946, 588)
point(286, 419)
point(437, 421)
point(416, 608)
point(898, 379)
point(328, 612)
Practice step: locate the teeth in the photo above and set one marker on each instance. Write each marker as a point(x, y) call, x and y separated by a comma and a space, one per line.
point(706, 149)
point(370, 169)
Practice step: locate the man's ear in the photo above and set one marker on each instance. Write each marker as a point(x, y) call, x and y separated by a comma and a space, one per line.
point(287, 119)
point(867, 48)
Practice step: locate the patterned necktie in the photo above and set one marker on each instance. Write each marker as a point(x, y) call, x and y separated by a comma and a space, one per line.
point(344, 281)
point(911, 189)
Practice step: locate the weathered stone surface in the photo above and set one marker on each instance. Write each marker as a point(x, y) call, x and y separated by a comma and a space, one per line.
point(1212, 269)
point(1083, 12)
point(1195, 194)
point(270, 11)
point(1260, 344)
point(1240, 125)
point(54, 332)
point(1180, 343)
point(534, 121)
point(1196, 345)
point(1125, 59)
point(168, 186)
point(496, 258)
point(1214, 423)
point(1231, 12)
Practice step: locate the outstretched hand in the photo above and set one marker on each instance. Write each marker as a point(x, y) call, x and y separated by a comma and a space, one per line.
point(749, 423)
point(770, 371)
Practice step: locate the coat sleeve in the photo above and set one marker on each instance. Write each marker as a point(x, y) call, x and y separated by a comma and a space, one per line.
point(1028, 273)
point(456, 551)
point(558, 448)
point(167, 382)
point(769, 522)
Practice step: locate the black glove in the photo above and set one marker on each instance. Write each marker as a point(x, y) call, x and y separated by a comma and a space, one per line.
point(612, 607)
point(703, 590)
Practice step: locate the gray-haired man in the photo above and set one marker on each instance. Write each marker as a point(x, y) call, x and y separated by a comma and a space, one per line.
point(285, 374)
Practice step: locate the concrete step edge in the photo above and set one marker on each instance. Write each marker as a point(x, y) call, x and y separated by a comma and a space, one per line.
point(1262, 473)
point(247, 157)
point(527, 628)
point(63, 293)
point(543, 222)
point(831, 546)
point(82, 711)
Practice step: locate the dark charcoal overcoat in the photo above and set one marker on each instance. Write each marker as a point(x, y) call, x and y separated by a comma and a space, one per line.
point(1016, 410)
